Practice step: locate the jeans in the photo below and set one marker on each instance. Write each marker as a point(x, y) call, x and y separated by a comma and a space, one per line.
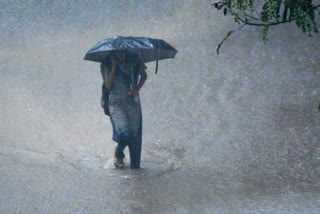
point(126, 119)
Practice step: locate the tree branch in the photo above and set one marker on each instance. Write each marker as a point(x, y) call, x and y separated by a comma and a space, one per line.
point(244, 16)
point(315, 7)
point(259, 24)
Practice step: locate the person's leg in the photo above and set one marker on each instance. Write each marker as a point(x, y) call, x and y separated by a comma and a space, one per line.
point(135, 144)
point(135, 154)
point(119, 151)
point(123, 141)
point(121, 134)
point(118, 157)
point(116, 137)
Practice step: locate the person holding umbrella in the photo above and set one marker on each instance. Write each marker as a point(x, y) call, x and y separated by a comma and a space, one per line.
point(124, 75)
point(123, 71)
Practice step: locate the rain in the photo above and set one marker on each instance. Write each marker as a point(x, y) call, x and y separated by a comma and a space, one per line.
point(237, 132)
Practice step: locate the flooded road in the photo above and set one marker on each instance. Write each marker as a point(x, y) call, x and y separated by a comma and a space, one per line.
point(48, 182)
point(235, 133)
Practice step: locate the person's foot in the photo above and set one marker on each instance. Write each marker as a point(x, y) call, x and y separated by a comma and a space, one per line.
point(118, 162)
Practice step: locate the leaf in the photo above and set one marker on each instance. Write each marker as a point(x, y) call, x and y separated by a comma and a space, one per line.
point(225, 11)
point(224, 39)
point(265, 33)
point(215, 5)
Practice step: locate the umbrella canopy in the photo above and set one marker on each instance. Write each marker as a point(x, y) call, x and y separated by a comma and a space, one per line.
point(147, 49)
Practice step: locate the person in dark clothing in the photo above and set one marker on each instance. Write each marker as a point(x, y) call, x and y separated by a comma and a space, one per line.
point(124, 75)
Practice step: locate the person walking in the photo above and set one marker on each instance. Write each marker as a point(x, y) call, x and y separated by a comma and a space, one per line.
point(122, 67)
point(123, 77)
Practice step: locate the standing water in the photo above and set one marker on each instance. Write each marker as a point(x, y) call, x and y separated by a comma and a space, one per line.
point(234, 133)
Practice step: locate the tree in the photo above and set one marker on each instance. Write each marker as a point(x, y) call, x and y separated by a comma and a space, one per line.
point(268, 13)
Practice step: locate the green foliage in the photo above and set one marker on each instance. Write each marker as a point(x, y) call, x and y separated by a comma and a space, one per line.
point(267, 13)
point(224, 39)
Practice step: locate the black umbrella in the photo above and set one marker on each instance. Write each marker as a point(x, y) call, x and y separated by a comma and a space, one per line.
point(147, 49)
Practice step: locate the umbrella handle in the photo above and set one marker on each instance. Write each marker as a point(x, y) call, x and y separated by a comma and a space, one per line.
point(157, 56)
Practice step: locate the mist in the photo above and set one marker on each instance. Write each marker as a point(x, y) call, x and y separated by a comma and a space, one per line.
point(237, 132)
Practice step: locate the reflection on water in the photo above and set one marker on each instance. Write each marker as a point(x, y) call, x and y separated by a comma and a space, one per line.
point(168, 187)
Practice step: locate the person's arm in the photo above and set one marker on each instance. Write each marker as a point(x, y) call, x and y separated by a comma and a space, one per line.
point(109, 75)
point(143, 78)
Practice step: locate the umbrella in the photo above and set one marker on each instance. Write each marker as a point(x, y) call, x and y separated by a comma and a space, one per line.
point(148, 49)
